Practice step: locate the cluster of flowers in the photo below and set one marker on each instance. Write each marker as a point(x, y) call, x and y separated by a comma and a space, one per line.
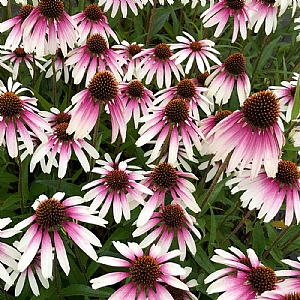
point(251, 138)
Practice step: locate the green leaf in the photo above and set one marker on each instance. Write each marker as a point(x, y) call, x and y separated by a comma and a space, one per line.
point(45, 295)
point(84, 290)
point(13, 199)
point(46, 105)
point(161, 16)
point(296, 106)
point(202, 259)
point(213, 231)
point(69, 188)
point(258, 243)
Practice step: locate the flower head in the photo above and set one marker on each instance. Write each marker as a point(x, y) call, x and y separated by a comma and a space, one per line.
point(222, 81)
point(253, 134)
point(163, 179)
point(221, 11)
point(47, 28)
point(102, 89)
point(59, 142)
point(198, 51)
point(52, 219)
point(15, 37)
point(93, 57)
point(16, 113)
point(263, 10)
point(171, 220)
point(245, 275)
point(117, 182)
point(18, 57)
point(158, 61)
point(170, 122)
point(92, 20)
point(137, 99)
point(147, 274)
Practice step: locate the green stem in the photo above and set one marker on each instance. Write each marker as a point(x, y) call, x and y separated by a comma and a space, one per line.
point(94, 139)
point(204, 177)
point(275, 242)
point(20, 185)
point(55, 277)
point(54, 79)
point(34, 70)
point(9, 13)
point(58, 185)
point(216, 178)
point(165, 145)
point(229, 214)
point(242, 222)
point(290, 129)
point(150, 24)
point(287, 243)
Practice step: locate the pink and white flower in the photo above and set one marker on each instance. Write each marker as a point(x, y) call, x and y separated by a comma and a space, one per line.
point(172, 220)
point(102, 90)
point(165, 179)
point(47, 28)
point(16, 113)
point(15, 37)
point(286, 94)
point(252, 134)
point(157, 61)
point(170, 122)
point(244, 277)
point(221, 11)
point(137, 99)
point(198, 51)
point(92, 20)
point(52, 219)
point(93, 57)
point(268, 194)
point(59, 142)
point(122, 4)
point(19, 57)
point(8, 254)
point(263, 11)
point(117, 183)
point(147, 274)
point(222, 81)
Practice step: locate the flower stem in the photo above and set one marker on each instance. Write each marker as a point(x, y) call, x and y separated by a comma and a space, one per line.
point(216, 178)
point(9, 13)
point(165, 146)
point(94, 140)
point(290, 241)
point(229, 214)
point(150, 24)
point(275, 242)
point(20, 184)
point(242, 222)
point(205, 176)
point(290, 129)
point(54, 80)
point(55, 277)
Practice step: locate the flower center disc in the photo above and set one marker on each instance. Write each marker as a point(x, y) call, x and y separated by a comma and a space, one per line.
point(235, 64)
point(176, 293)
point(235, 4)
point(164, 175)
point(60, 132)
point(135, 89)
point(186, 88)
point(103, 86)
point(50, 213)
point(162, 51)
point(93, 12)
point(62, 118)
point(177, 111)
point(262, 279)
point(134, 49)
point(287, 172)
point(145, 270)
point(51, 9)
point(96, 44)
point(117, 180)
point(195, 46)
point(201, 78)
point(19, 52)
point(261, 110)
point(173, 215)
point(10, 105)
point(292, 296)
point(222, 115)
point(25, 11)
